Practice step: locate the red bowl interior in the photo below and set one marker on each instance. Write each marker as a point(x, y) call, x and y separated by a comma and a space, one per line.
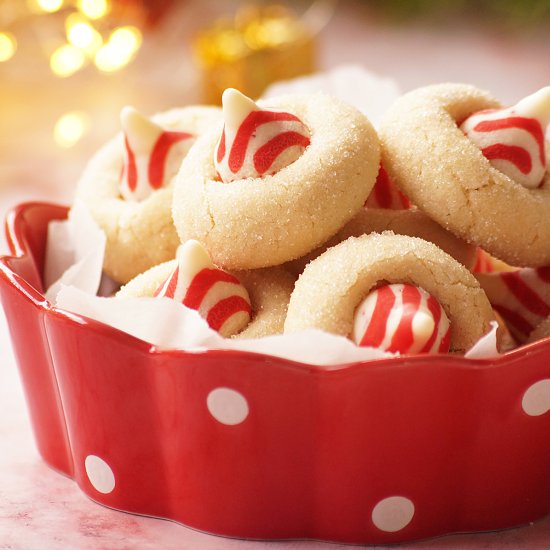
point(253, 446)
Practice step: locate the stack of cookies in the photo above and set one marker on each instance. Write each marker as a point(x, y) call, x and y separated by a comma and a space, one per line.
point(294, 213)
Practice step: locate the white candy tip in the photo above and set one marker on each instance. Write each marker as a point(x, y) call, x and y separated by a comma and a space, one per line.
point(236, 107)
point(541, 95)
point(129, 117)
point(192, 257)
point(126, 112)
point(140, 130)
point(536, 105)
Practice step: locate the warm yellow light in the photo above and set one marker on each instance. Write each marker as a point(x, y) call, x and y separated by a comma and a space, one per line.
point(126, 38)
point(109, 59)
point(8, 45)
point(119, 50)
point(94, 9)
point(70, 128)
point(82, 35)
point(66, 60)
point(49, 6)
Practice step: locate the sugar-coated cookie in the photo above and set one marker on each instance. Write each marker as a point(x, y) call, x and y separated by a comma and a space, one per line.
point(269, 290)
point(332, 286)
point(244, 304)
point(413, 223)
point(127, 186)
point(263, 221)
point(452, 178)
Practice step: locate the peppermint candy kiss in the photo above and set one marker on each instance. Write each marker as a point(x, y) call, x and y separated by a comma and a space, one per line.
point(484, 262)
point(152, 155)
point(218, 296)
point(512, 139)
point(402, 318)
point(521, 297)
point(385, 194)
point(256, 141)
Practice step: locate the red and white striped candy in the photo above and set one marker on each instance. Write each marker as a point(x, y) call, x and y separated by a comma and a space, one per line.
point(152, 155)
point(484, 263)
point(218, 296)
point(385, 194)
point(512, 139)
point(256, 141)
point(402, 318)
point(521, 297)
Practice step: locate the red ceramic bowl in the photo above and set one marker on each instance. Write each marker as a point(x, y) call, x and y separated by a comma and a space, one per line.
point(252, 446)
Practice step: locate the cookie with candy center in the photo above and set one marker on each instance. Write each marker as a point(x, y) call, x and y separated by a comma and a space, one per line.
point(127, 186)
point(445, 174)
point(268, 289)
point(402, 318)
point(256, 141)
point(512, 139)
point(152, 154)
point(333, 286)
point(255, 222)
point(218, 296)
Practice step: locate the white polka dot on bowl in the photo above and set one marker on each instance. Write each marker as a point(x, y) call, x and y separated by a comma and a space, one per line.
point(227, 406)
point(100, 474)
point(536, 400)
point(393, 514)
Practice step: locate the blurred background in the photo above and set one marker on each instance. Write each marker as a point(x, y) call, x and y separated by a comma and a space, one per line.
point(67, 67)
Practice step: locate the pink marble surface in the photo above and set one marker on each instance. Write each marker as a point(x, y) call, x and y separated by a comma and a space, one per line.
point(40, 509)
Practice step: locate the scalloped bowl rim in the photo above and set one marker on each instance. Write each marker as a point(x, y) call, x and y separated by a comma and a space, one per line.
point(12, 227)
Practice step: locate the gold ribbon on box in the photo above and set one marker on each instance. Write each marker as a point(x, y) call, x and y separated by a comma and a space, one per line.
point(259, 46)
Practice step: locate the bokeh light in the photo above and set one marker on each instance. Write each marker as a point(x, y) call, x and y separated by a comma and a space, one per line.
point(127, 38)
point(70, 128)
point(93, 9)
point(66, 60)
point(119, 50)
point(49, 6)
point(8, 45)
point(82, 34)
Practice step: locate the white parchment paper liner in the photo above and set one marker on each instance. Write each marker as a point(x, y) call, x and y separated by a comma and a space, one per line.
point(74, 253)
